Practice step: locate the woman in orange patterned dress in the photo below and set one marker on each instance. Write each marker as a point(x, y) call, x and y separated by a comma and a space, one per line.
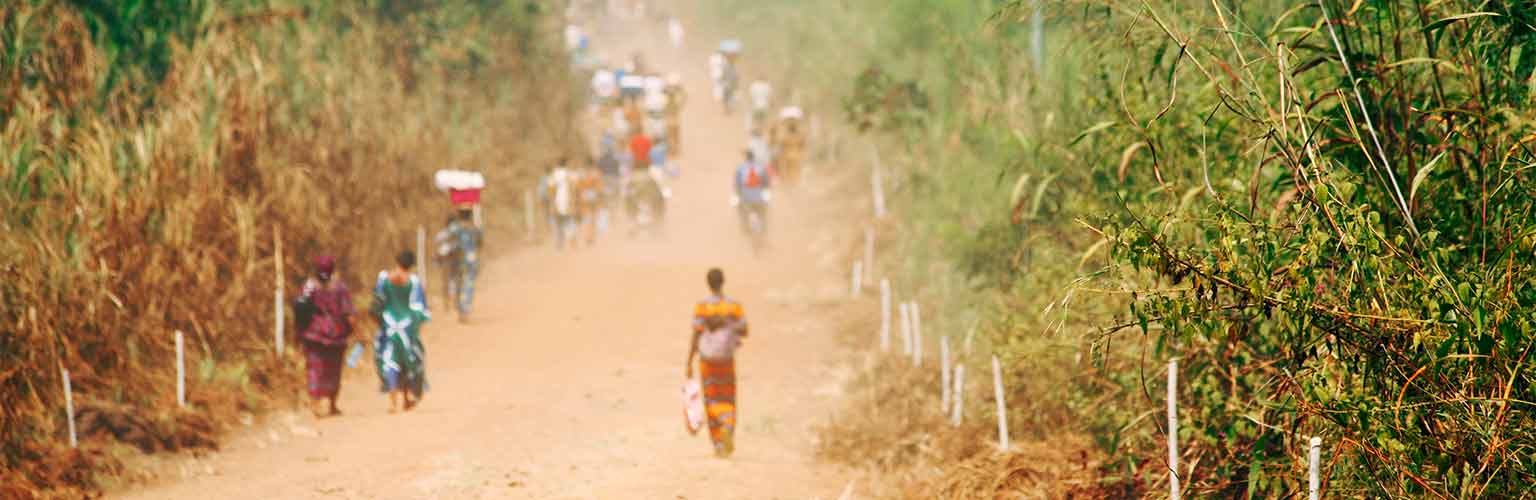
point(719, 324)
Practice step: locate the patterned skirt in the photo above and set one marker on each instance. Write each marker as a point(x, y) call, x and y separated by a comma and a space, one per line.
point(322, 368)
point(719, 381)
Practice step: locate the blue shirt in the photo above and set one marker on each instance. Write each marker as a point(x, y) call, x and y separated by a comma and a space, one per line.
point(752, 195)
point(659, 155)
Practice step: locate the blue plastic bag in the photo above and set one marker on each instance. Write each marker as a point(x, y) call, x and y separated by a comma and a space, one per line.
point(354, 355)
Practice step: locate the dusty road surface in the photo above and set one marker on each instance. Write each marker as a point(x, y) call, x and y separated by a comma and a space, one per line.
point(566, 383)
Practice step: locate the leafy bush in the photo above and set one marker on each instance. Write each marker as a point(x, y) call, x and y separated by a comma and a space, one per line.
point(1322, 209)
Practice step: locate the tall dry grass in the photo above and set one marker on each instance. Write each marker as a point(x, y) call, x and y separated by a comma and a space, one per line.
point(129, 214)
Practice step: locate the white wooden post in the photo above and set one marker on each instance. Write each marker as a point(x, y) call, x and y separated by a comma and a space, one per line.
point(181, 372)
point(917, 333)
point(944, 373)
point(858, 277)
point(1173, 429)
point(1002, 406)
point(1314, 453)
point(885, 315)
point(528, 212)
point(970, 334)
point(69, 409)
point(421, 253)
point(958, 404)
point(277, 304)
point(876, 186)
point(869, 255)
point(906, 329)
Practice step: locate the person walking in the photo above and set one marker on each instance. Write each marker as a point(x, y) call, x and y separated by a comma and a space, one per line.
point(400, 306)
point(719, 325)
point(677, 97)
point(589, 189)
point(324, 315)
point(466, 238)
point(563, 199)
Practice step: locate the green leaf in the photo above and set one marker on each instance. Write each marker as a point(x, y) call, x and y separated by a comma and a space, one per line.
point(1423, 173)
point(1441, 24)
point(1096, 128)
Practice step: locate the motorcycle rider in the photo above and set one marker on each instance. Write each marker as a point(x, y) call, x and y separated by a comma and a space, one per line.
point(752, 187)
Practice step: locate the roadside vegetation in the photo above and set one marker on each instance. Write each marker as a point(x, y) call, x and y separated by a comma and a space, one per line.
point(1323, 210)
point(154, 153)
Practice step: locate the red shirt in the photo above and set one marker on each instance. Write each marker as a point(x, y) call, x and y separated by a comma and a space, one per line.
point(640, 147)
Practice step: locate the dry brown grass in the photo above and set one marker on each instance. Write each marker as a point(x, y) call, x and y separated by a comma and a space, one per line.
point(127, 219)
point(890, 425)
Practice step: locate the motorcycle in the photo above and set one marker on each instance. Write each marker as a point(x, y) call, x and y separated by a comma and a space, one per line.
point(646, 203)
point(755, 216)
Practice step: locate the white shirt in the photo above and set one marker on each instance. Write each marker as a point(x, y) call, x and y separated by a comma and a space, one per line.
point(716, 66)
point(675, 28)
point(759, 147)
point(762, 92)
point(563, 196)
point(572, 37)
point(603, 84)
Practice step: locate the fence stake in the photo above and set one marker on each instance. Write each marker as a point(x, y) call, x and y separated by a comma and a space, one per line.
point(1002, 406)
point(958, 405)
point(906, 329)
point(1314, 452)
point(858, 277)
point(885, 315)
point(969, 334)
point(528, 212)
point(69, 409)
point(917, 334)
point(869, 255)
point(181, 372)
point(944, 373)
point(1173, 429)
point(277, 307)
point(876, 186)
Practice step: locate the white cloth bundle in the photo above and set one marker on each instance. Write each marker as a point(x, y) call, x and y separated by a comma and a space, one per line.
point(458, 179)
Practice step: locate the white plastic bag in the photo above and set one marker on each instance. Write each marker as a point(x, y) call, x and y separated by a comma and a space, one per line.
point(693, 405)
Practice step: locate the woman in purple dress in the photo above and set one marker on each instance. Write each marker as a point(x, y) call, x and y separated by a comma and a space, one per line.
point(324, 313)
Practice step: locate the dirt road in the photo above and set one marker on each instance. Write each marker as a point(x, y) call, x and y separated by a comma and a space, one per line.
point(566, 384)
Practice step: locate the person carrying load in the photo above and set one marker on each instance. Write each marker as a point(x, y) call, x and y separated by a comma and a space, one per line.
point(719, 325)
point(464, 235)
point(787, 138)
point(726, 82)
